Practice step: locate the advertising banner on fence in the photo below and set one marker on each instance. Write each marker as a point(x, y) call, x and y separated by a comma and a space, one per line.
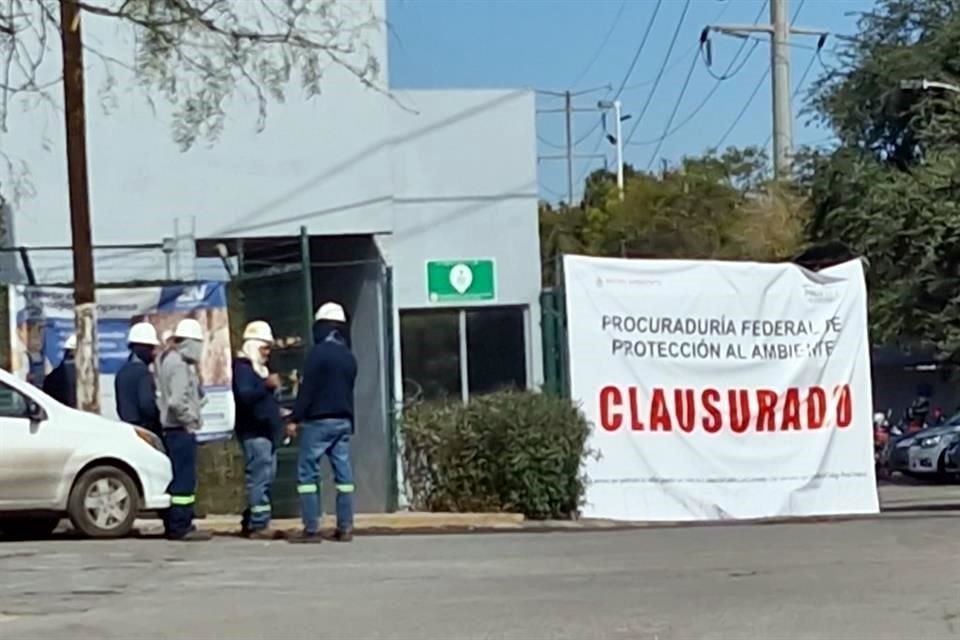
point(721, 390)
point(43, 319)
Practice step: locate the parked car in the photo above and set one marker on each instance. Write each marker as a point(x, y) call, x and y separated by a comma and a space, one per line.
point(924, 453)
point(952, 459)
point(57, 462)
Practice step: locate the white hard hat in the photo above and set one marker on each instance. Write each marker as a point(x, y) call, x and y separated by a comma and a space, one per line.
point(143, 333)
point(258, 330)
point(188, 329)
point(71, 343)
point(166, 335)
point(331, 311)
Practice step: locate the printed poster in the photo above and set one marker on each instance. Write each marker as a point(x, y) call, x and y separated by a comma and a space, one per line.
point(43, 318)
point(721, 390)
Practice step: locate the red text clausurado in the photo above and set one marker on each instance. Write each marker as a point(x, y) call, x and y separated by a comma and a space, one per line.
point(734, 410)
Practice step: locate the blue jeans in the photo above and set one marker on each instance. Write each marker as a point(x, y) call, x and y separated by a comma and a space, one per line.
point(260, 469)
point(182, 451)
point(329, 438)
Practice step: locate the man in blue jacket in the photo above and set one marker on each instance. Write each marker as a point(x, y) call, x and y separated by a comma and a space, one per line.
point(324, 409)
point(61, 383)
point(259, 426)
point(134, 386)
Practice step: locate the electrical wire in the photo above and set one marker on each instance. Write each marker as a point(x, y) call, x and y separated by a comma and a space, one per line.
point(548, 143)
point(643, 43)
point(686, 54)
point(673, 113)
point(728, 73)
point(696, 110)
point(743, 111)
point(756, 88)
point(663, 66)
point(603, 44)
point(743, 44)
point(626, 78)
point(553, 192)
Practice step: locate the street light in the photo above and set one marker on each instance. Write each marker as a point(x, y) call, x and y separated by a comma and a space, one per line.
point(925, 85)
point(617, 138)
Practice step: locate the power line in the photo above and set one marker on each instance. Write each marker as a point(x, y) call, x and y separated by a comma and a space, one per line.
point(743, 45)
point(696, 110)
point(603, 44)
point(743, 111)
point(673, 114)
point(643, 43)
point(757, 87)
point(548, 143)
point(663, 66)
point(683, 57)
point(728, 73)
point(626, 78)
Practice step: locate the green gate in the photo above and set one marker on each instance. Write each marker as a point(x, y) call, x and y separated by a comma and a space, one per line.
point(553, 320)
point(282, 297)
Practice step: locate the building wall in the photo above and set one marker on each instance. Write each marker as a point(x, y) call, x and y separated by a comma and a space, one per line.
point(323, 163)
point(465, 172)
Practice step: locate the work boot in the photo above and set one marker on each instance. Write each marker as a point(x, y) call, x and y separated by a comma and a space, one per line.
point(194, 535)
point(261, 534)
point(305, 537)
point(343, 535)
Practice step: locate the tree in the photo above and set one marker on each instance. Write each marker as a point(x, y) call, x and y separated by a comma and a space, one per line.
point(196, 55)
point(713, 206)
point(889, 191)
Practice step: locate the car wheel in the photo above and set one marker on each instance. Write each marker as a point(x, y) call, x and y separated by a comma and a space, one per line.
point(28, 528)
point(104, 503)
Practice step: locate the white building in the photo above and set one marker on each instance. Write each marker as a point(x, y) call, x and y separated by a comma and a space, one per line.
point(387, 187)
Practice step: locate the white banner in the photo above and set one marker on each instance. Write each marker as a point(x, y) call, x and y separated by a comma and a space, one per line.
point(721, 390)
point(42, 318)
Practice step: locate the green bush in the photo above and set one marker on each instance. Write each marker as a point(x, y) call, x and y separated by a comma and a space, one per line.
point(511, 451)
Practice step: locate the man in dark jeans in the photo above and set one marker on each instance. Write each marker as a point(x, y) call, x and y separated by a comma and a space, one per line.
point(180, 418)
point(324, 409)
point(259, 426)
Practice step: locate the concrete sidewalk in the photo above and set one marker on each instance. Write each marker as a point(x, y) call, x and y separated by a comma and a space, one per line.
point(898, 500)
point(369, 523)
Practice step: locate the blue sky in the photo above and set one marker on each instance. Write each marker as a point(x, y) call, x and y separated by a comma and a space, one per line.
point(581, 44)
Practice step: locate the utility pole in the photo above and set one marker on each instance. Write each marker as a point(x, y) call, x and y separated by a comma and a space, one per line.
point(570, 153)
point(779, 31)
point(782, 107)
point(568, 116)
point(88, 393)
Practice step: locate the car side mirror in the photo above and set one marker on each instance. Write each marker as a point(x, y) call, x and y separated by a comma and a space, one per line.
point(35, 412)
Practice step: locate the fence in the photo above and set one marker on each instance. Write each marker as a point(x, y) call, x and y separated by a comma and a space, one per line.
point(279, 280)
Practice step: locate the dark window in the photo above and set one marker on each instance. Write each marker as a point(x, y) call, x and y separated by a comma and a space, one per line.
point(496, 349)
point(13, 404)
point(430, 352)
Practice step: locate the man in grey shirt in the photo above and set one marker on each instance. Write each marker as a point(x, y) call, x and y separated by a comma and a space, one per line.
point(180, 404)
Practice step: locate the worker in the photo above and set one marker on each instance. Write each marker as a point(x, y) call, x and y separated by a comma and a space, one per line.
point(166, 341)
point(61, 383)
point(259, 427)
point(134, 385)
point(324, 409)
point(180, 418)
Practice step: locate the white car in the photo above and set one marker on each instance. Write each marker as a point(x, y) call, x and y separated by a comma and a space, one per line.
point(57, 462)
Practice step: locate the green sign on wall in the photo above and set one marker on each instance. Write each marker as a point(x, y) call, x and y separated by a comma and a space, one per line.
point(461, 280)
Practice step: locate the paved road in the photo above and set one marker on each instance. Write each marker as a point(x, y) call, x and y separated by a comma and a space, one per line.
point(896, 577)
